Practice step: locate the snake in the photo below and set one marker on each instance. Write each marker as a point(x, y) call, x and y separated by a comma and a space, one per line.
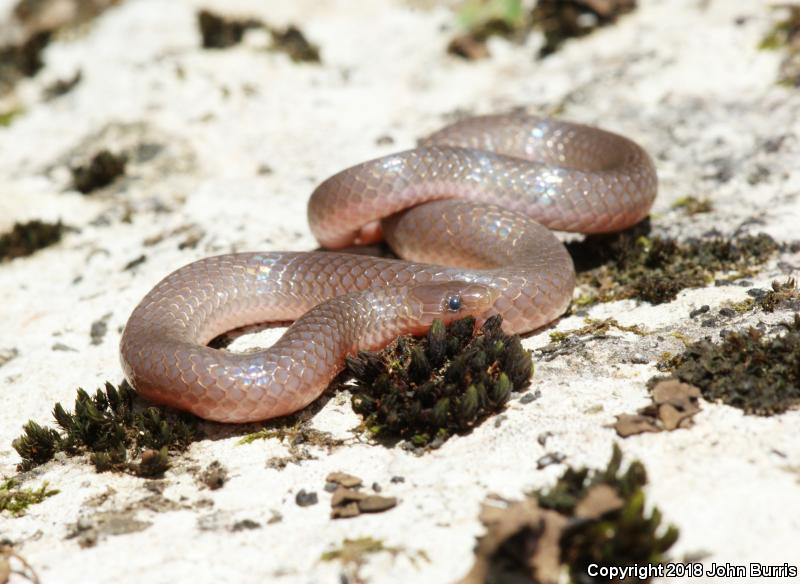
point(470, 212)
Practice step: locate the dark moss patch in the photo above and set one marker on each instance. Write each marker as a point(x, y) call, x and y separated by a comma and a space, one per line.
point(587, 517)
point(561, 20)
point(16, 500)
point(621, 536)
point(26, 238)
point(654, 269)
point(785, 35)
point(747, 370)
point(23, 59)
point(293, 42)
point(103, 168)
point(781, 295)
point(219, 32)
point(40, 21)
point(118, 435)
point(426, 390)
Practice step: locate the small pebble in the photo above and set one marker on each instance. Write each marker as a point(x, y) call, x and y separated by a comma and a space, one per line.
point(757, 293)
point(376, 504)
point(527, 398)
point(727, 312)
point(709, 322)
point(397, 479)
point(744, 283)
point(698, 311)
point(304, 499)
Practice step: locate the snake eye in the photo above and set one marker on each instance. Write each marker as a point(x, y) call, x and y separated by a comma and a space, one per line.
point(454, 303)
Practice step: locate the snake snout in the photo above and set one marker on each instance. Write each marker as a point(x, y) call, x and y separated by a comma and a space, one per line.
point(449, 301)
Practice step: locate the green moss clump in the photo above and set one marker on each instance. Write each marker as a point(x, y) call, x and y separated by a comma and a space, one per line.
point(625, 534)
point(747, 370)
point(654, 269)
point(8, 117)
point(785, 35)
point(26, 238)
point(693, 205)
point(425, 390)
point(112, 430)
point(17, 500)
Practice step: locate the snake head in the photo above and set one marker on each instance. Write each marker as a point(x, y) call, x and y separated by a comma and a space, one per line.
point(449, 301)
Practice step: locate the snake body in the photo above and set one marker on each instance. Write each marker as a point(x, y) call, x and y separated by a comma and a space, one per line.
point(481, 194)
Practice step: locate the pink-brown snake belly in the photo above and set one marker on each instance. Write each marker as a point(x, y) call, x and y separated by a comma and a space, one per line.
point(481, 194)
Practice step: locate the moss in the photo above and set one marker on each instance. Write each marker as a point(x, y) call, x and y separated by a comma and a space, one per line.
point(558, 20)
point(219, 32)
point(26, 238)
point(561, 20)
point(632, 533)
point(596, 328)
point(298, 435)
point(654, 269)
point(16, 500)
point(8, 117)
point(353, 554)
point(692, 205)
point(426, 390)
point(114, 432)
point(785, 35)
point(293, 42)
point(747, 370)
point(100, 171)
point(784, 294)
point(482, 19)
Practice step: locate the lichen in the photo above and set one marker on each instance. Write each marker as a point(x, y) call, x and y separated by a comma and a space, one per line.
point(112, 430)
point(749, 370)
point(426, 390)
